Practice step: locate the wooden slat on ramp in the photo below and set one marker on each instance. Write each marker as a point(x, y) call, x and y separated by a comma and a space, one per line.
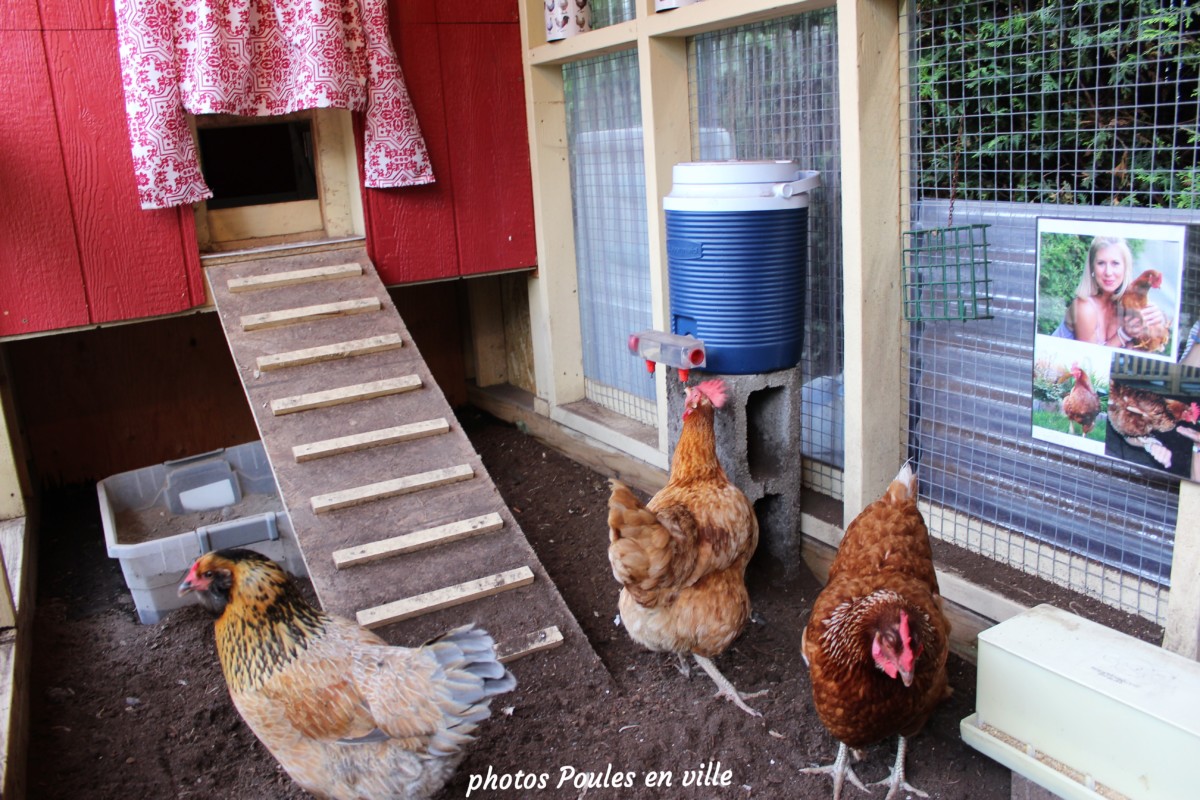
point(386, 495)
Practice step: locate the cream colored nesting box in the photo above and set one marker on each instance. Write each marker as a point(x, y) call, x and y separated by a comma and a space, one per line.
point(1085, 711)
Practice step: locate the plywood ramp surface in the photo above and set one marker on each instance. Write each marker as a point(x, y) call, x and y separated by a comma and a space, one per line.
point(368, 450)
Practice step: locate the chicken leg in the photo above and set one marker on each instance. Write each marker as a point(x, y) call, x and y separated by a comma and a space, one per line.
point(840, 769)
point(725, 688)
point(895, 781)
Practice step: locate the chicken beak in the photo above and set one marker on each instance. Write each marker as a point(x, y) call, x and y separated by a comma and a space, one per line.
point(191, 583)
point(906, 676)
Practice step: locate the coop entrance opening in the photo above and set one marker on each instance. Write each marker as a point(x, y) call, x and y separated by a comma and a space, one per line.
point(252, 165)
point(277, 180)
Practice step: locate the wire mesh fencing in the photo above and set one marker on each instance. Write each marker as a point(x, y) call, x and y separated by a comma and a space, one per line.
point(608, 184)
point(770, 91)
point(1015, 112)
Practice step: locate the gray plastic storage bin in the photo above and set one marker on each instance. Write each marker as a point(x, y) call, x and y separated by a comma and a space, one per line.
point(158, 520)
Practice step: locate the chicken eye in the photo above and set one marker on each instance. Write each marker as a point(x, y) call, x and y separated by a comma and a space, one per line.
point(208, 573)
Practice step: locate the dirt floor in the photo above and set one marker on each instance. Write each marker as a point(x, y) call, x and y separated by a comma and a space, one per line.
point(124, 710)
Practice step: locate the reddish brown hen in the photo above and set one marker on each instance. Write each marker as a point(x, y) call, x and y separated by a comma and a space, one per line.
point(1135, 299)
point(347, 715)
point(1137, 415)
point(877, 640)
point(1082, 405)
point(681, 558)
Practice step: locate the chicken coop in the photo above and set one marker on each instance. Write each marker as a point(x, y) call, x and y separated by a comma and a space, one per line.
point(541, 245)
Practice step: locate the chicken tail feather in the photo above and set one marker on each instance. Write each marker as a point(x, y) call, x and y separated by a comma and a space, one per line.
point(472, 650)
point(903, 488)
point(626, 514)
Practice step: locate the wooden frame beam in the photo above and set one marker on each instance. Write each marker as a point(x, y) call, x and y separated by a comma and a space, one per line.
point(330, 352)
point(417, 540)
point(382, 490)
point(438, 599)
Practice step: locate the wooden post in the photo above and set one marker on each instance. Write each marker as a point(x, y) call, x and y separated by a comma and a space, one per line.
point(869, 89)
point(667, 141)
point(1182, 633)
point(553, 293)
point(12, 474)
point(486, 308)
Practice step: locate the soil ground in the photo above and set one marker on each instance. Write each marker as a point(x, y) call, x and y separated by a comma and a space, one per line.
point(126, 710)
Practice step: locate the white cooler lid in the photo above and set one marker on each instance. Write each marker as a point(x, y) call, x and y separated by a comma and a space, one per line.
point(735, 186)
point(721, 172)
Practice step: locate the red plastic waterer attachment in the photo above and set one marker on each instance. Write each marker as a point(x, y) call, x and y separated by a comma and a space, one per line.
point(684, 353)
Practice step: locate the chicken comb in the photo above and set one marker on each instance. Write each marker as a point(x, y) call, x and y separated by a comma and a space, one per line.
point(714, 390)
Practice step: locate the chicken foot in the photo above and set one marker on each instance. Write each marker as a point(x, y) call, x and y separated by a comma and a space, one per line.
point(895, 780)
point(840, 769)
point(726, 689)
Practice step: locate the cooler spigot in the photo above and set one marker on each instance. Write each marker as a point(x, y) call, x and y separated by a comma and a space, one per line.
point(684, 353)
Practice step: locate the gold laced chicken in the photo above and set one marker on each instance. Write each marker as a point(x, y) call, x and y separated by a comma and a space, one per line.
point(347, 715)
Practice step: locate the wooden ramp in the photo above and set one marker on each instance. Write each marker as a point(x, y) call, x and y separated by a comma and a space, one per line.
point(397, 520)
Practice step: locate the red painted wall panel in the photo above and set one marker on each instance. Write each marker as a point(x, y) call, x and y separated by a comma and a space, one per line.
point(479, 11)
point(410, 12)
point(489, 147)
point(410, 231)
point(465, 79)
point(19, 15)
point(77, 15)
point(41, 283)
point(133, 261)
point(80, 250)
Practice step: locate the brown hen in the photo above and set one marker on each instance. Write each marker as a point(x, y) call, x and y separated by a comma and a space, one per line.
point(681, 558)
point(1153, 339)
point(877, 640)
point(1082, 405)
point(1137, 414)
point(347, 715)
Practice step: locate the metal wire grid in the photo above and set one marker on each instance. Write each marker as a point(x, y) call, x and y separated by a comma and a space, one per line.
point(1016, 114)
point(608, 187)
point(610, 12)
point(770, 91)
point(945, 273)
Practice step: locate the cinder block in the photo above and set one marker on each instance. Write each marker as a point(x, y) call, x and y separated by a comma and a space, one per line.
point(757, 430)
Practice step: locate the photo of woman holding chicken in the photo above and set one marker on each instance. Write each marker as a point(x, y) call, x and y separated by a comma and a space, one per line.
point(1113, 303)
point(1105, 379)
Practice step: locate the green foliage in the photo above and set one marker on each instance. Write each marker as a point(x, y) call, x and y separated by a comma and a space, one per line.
point(1048, 390)
point(1062, 259)
point(1058, 422)
point(1092, 101)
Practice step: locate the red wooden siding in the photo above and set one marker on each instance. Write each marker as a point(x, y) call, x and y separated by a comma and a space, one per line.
point(479, 11)
point(133, 260)
point(19, 15)
point(41, 282)
point(489, 147)
point(76, 248)
point(464, 74)
point(410, 231)
point(77, 15)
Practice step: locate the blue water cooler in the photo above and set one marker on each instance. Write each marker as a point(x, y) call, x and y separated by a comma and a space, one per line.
point(737, 243)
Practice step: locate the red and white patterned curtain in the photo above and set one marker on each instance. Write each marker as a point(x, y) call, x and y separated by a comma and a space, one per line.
point(259, 58)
